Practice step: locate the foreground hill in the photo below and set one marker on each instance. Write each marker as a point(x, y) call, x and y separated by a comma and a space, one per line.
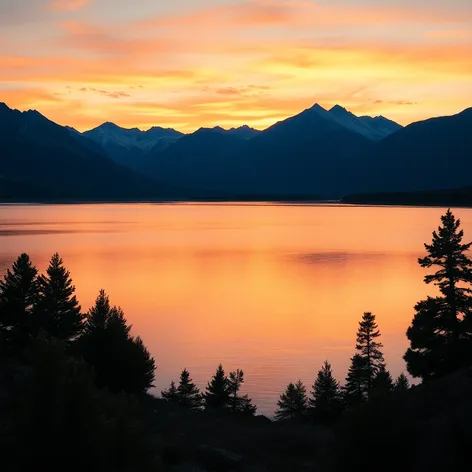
point(41, 159)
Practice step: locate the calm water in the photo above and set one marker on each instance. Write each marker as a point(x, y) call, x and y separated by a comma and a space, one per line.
point(271, 289)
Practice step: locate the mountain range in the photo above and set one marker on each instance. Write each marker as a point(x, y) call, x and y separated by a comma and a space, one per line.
point(318, 153)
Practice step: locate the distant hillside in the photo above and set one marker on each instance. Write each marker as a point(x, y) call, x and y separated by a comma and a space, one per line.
point(450, 198)
point(308, 154)
point(428, 155)
point(317, 154)
point(41, 158)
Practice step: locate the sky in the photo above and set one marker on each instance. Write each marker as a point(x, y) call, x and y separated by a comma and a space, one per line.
point(188, 63)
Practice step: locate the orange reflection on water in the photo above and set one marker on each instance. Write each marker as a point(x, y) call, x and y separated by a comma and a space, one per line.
point(272, 289)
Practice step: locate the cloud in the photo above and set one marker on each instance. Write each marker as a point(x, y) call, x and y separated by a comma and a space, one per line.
point(68, 5)
point(230, 62)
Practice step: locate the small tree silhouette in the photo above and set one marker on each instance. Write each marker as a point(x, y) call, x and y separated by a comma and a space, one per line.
point(217, 395)
point(18, 296)
point(402, 385)
point(170, 394)
point(382, 385)
point(441, 331)
point(237, 403)
point(121, 362)
point(325, 402)
point(293, 402)
point(57, 309)
point(188, 395)
point(355, 390)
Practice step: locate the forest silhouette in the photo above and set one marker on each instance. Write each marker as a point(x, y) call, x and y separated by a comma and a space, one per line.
point(69, 377)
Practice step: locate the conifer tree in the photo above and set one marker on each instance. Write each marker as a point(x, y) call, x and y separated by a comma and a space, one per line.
point(356, 387)
point(170, 394)
point(188, 395)
point(369, 348)
point(57, 309)
point(121, 362)
point(325, 402)
point(441, 331)
point(382, 385)
point(293, 402)
point(18, 296)
point(402, 384)
point(139, 369)
point(237, 403)
point(217, 395)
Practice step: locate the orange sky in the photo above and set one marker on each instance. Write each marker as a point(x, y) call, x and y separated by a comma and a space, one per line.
point(190, 63)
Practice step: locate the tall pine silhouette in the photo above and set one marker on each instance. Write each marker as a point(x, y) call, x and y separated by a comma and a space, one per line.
point(325, 402)
point(369, 348)
point(217, 394)
point(293, 403)
point(18, 296)
point(121, 362)
point(57, 309)
point(441, 331)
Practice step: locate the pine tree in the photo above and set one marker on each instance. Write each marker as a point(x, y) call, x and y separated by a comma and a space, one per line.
point(357, 380)
point(441, 331)
point(237, 403)
point(18, 296)
point(382, 385)
point(369, 348)
point(57, 309)
point(139, 369)
point(170, 394)
point(325, 402)
point(402, 385)
point(217, 395)
point(188, 395)
point(293, 402)
point(120, 361)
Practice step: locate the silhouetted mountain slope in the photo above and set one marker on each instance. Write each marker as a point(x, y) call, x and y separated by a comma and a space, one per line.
point(428, 155)
point(372, 128)
point(317, 153)
point(308, 154)
point(381, 125)
point(37, 153)
point(202, 160)
point(244, 132)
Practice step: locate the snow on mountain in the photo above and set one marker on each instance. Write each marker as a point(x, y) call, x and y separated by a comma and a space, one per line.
point(110, 134)
point(374, 129)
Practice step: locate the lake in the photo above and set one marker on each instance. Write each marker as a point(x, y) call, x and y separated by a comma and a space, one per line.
point(271, 289)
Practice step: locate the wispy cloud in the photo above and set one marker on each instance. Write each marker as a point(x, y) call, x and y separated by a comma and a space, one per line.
point(228, 63)
point(68, 5)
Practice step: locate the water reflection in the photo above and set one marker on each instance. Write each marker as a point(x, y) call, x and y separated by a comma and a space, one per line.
point(272, 289)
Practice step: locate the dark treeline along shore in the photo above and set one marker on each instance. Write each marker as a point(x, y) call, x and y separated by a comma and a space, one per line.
point(74, 389)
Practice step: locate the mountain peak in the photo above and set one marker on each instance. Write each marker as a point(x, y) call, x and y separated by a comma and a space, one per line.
point(317, 107)
point(338, 109)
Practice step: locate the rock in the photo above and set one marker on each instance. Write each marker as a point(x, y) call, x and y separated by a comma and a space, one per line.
point(215, 459)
